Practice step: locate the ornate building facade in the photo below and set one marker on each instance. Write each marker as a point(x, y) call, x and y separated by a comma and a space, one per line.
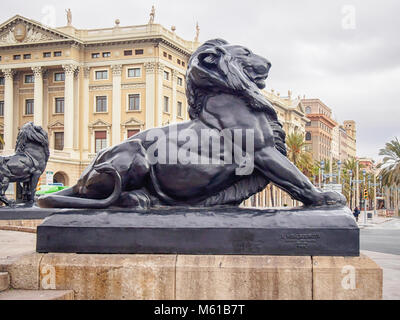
point(89, 88)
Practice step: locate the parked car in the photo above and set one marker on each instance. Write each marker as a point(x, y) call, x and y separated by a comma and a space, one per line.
point(50, 188)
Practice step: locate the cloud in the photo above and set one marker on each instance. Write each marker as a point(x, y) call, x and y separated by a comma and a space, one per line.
point(356, 71)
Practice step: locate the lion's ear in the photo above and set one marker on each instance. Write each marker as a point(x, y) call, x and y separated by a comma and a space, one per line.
point(210, 57)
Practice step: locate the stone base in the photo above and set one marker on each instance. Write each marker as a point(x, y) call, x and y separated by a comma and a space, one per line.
point(217, 231)
point(189, 277)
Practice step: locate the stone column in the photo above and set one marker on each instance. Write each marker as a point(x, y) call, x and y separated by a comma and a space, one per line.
point(116, 104)
point(38, 96)
point(174, 107)
point(76, 110)
point(69, 107)
point(160, 96)
point(150, 93)
point(8, 111)
point(86, 108)
point(47, 107)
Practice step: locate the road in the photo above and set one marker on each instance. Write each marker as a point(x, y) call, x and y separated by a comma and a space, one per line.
point(381, 242)
point(384, 237)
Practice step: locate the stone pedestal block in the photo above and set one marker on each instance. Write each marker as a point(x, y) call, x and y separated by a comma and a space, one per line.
point(99, 277)
point(198, 277)
point(243, 278)
point(344, 278)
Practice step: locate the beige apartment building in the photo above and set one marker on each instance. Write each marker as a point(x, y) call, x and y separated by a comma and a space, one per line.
point(319, 132)
point(89, 89)
point(350, 128)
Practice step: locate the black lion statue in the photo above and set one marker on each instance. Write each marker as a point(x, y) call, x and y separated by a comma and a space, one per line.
point(27, 164)
point(223, 90)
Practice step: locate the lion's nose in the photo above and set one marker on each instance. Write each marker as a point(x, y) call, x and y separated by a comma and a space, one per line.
point(261, 69)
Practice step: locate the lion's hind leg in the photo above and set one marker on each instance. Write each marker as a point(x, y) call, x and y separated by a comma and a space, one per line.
point(137, 199)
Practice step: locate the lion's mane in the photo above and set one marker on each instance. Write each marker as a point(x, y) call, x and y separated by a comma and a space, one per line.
point(212, 70)
point(31, 133)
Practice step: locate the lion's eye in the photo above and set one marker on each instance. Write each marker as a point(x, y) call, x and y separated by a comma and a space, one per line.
point(247, 52)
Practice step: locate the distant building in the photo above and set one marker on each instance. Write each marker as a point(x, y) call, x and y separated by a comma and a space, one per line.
point(319, 132)
point(89, 88)
point(351, 130)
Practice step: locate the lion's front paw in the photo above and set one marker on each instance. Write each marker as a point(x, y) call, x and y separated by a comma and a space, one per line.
point(331, 199)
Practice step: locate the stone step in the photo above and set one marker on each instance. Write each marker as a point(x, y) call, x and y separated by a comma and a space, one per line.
point(37, 295)
point(4, 281)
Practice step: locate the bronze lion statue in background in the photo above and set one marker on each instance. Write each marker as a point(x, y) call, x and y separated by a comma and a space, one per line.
point(223, 90)
point(27, 164)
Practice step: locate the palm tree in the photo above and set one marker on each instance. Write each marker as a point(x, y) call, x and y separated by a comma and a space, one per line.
point(390, 168)
point(302, 159)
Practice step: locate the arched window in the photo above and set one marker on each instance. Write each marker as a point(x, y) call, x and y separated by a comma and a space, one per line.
point(308, 110)
point(308, 136)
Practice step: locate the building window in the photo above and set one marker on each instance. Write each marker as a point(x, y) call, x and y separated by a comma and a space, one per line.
point(100, 138)
point(57, 53)
point(101, 104)
point(59, 76)
point(58, 140)
point(46, 54)
point(29, 106)
point(95, 55)
point(139, 51)
point(2, 81)
point(127, 52)
point(308, 110)
point(169, 57)
point(132, 133)
point(134, 73)
point(183, 64)
point(308, 136)
point(59, 105)
point(27, 56)
point(17, 57)
point(166, 104)
point(1, 108)
point(180, 81)
point(29, 78)
point(166, 75)
point(308, 124)
point(179, 111)
point(178, 61)
point(165, 54)
point(134, 102)
point(106, 54)
point(102, 75)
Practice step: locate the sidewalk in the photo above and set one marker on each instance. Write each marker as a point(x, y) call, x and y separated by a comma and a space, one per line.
point(391, 273)
point(371, 222)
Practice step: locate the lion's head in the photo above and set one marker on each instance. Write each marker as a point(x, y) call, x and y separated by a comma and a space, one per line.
point(217, 66)
point(31, 133)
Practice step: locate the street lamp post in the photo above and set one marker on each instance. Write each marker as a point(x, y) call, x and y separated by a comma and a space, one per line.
point(322, 167)
point(357, 185)
point(351, 187)
point(365, 200)
point(339, 163)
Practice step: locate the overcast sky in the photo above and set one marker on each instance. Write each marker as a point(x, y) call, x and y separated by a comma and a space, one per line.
point(346, 53)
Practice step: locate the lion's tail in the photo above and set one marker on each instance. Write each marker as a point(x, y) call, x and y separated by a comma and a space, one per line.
point(68, 199)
